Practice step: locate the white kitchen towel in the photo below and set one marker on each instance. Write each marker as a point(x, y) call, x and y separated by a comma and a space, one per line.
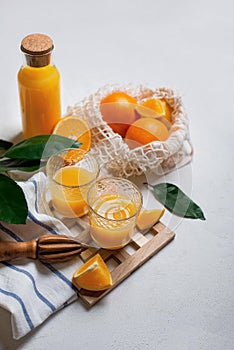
point(30, 290)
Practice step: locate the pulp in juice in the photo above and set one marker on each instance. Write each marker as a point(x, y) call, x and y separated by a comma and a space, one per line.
point(112, 220)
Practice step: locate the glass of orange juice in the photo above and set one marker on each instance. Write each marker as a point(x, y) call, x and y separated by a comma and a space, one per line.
point(70, 173)
point(114, 204)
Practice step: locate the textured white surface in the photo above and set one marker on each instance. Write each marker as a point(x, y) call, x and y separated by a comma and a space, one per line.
point(183, 297)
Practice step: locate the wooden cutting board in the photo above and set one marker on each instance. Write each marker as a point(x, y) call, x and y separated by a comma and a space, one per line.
point(127, 259)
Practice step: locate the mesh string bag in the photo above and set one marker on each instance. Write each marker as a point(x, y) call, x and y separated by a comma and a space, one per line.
point(115, 155)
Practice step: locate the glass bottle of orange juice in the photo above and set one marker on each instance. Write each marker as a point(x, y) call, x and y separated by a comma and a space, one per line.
point(39, 86)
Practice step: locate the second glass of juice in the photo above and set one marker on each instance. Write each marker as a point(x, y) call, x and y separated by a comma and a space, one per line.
point(70, 173)
point(114, 204)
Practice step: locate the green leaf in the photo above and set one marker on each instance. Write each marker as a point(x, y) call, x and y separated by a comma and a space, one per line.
point(13, 208)
point(20, 164)
point(5, 144)
point(176, 201)
point(40, 147)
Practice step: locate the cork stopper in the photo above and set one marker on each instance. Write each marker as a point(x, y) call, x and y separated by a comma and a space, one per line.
point(37, 49)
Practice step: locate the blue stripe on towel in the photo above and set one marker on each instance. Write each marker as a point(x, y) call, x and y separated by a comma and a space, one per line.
point(28, 274)
point(36, 191)
point(20, 301)
point(61, 276)
point(33, 218)
point(10, 233)
point(36, 221)
point(50, 267)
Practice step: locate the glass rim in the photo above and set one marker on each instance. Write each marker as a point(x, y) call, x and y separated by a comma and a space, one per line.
point(73, 186)
point(116, 178)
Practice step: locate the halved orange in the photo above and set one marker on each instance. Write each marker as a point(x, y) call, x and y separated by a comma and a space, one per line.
point(148, 218)
point(159, 106)
point(75, 128)
point(93, 275)
point(146, 112)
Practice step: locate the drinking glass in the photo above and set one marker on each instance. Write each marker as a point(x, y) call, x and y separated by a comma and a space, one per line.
point(114, 204)
point(70, 173)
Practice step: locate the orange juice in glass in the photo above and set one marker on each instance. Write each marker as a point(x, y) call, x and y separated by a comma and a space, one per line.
point(114, 204)
point(70, 174)
point(39, 86)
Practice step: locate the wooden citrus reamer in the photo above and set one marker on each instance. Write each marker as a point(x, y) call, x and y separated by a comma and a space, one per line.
point(48, 248)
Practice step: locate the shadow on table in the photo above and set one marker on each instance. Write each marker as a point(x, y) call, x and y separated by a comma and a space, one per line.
point(6, 337)
point(6, 340)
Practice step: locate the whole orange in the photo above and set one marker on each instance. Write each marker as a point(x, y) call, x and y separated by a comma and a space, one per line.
point(144, 131)
point(118, 110)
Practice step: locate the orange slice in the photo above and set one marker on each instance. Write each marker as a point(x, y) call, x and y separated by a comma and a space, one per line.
point(76, 129)
point(93, 275)
point(148, 218)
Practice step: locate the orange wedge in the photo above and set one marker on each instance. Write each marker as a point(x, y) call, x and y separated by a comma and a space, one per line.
point(148, 218)
point(76, 129)
point(93, 275)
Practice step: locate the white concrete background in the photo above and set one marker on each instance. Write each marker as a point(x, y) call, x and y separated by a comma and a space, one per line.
point(183, 297)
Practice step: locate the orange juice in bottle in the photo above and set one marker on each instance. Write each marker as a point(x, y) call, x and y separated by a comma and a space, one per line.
point(39, 86)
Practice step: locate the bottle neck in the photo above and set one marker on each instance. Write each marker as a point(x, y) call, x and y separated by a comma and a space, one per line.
point(37, 60)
